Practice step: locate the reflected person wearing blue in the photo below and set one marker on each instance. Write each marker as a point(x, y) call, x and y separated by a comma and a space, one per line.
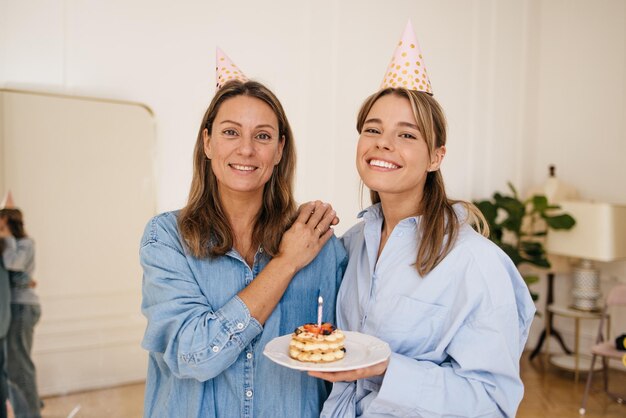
point(19, 258)
point(5, 318)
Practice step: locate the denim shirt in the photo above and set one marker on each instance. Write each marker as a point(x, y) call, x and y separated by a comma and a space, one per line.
point(19, 259)
point(206, 349)
point(5, 307)
point(456, 334)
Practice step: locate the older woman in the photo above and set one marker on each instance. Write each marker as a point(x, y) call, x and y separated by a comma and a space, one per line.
point(234, 269)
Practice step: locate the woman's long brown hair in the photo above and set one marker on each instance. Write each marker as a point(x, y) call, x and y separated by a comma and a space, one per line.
point(15, 221)
point(202, 222)
point(440, 223)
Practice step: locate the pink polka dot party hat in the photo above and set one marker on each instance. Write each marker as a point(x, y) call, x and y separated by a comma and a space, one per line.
point(226, 70)
point(407, 68)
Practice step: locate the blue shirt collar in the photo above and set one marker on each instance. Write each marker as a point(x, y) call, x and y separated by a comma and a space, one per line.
point(375, 212)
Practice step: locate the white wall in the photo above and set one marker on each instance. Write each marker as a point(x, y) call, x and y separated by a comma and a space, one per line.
point(525, 83)
point(322, 59)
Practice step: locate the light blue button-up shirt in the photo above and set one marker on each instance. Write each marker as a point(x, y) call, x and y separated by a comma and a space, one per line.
point(206, 350)
point(456, 334)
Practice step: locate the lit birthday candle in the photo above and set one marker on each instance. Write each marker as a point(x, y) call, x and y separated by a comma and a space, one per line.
point(320, 305)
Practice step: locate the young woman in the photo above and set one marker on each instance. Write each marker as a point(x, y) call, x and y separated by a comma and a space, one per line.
point(233, 270)
point(450, 303)
point(19, 258)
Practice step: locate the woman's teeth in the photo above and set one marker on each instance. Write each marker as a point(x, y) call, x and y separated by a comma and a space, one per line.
point(242, 167)
point(383, 164)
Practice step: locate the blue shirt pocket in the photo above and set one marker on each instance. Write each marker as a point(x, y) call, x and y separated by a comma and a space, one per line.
point(412, 327)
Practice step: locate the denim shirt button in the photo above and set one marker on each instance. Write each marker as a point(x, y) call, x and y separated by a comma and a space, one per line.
point(249, 356)
point(215, 349)
point(240, 326)
point(249, 393)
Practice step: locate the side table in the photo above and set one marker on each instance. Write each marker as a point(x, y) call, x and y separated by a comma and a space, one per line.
point(575, 362)
point(552, 331)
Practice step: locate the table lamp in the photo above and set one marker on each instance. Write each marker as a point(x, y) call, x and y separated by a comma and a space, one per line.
point(599, 235)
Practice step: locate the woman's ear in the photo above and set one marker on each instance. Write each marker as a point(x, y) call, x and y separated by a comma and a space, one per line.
point(437, 159)
point(206, 139)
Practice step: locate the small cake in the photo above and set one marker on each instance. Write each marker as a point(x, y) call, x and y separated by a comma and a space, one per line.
point(310, 343)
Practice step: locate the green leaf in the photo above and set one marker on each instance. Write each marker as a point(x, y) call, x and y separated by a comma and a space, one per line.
point(489, 211)
point(513, 190)
point(531, 279)
point(540, 203)
point(510, 204)
point(512, 252)
point(564, 221)
point(539, 262)
point(495, 234)
point(533, 250)
point(515, 211)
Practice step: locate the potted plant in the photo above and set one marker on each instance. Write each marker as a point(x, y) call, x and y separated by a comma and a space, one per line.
point(519, 227)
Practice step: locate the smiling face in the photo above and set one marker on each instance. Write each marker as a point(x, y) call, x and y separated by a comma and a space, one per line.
point(244, 145)
point(392, 155)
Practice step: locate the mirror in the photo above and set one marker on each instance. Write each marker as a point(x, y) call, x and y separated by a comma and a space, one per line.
point(81, 170)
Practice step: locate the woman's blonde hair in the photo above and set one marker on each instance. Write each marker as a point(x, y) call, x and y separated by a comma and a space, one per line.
point(202, 222)
point(440, 223)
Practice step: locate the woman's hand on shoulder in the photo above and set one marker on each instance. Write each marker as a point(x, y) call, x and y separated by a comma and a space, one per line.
point(309, 233)
point(352, 375)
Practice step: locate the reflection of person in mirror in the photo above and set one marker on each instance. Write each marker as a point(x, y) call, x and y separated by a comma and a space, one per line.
point(450, 304)
point(19, 258)
point(5, 318)
point(235, 268)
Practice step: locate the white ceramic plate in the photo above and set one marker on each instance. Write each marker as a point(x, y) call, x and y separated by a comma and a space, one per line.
point(361, 351)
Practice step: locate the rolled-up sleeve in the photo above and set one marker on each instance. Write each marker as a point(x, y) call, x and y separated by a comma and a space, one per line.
point(197, 340)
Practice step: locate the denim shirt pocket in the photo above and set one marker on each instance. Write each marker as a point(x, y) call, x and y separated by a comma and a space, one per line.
point(413, 327)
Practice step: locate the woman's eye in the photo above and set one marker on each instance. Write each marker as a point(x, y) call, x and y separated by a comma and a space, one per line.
point(229, 132)
point(408, 136)
point(263, 136)
point(371, 131)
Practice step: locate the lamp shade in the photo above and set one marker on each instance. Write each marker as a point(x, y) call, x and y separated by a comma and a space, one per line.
point(599, 233)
